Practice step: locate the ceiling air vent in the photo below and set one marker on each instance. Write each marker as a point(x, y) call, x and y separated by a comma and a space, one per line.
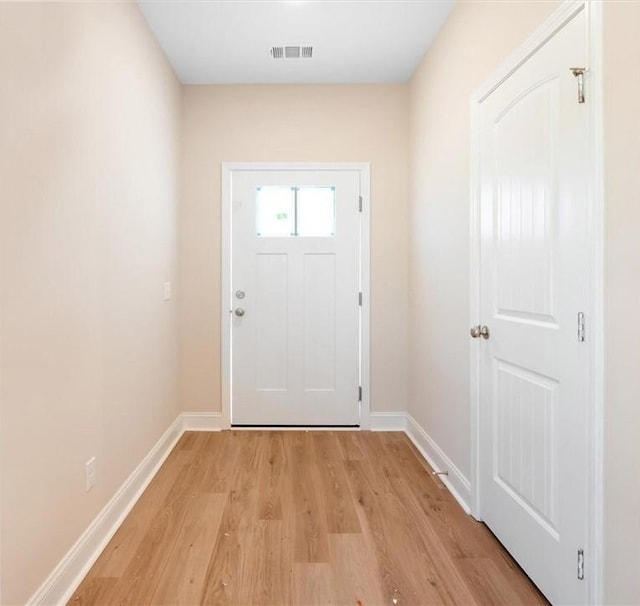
point(291, 52)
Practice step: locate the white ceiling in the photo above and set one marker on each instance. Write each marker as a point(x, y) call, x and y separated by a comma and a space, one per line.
point(228, 42)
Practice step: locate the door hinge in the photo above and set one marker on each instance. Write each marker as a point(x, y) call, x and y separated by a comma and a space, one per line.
point(359, 393)
point(359, 203)
point(360, 298)
point(581, 329)
point(579, 72)
point(581, 564)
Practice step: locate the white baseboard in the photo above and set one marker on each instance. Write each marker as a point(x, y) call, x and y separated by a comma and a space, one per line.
point(458, 485)
point(201, 421)
point(69, 573)
point(388, 421)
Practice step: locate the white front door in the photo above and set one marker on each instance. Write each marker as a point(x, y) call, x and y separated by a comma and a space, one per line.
point(534, 367)
point(295, 282)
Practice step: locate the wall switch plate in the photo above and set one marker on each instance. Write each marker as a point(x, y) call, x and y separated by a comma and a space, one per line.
point(167, 291)
point(90, 473)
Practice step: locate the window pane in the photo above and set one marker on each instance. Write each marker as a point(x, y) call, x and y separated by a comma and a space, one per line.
point(316, 211)
point(275, 211)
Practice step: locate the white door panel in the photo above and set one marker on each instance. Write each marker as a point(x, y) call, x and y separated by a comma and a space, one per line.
point(534, 271)
point(295, 351)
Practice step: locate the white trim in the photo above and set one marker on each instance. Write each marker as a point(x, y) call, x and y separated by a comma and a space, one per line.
point(456, 482)
point(71, 570)
point(228, 168)
point(226, 304)
point(388, 421)
point(201, 421)
point(474, 309)
point(365, 287)
point(597, 209)
point(566, 12)
point(330, 166)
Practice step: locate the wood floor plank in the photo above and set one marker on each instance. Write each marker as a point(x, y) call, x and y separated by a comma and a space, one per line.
point(268, 578)
point(310, 542)
point(232, 549)
point(95, 590)
point(244, 518)
point(340, 511)
point(223, 451)
point(395, 557)
point(221, 579)
point(357, 582)
point(326, 446)
point(437, 561)
point(349, 445)
point(140, 579)
point(272, 479)
point(491, 587)
point(341, 515)
point(445, 516)
point(184, 572)
point(313, 585)
point(265, 573)
point(188, 440)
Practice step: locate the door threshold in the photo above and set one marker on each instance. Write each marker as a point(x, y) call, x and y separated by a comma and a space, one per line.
point(282, 426)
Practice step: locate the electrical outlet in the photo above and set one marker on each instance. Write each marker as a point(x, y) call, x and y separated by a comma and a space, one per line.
point(90, 475)
point(167, 291)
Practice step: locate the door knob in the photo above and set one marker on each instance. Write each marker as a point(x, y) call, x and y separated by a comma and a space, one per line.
point(479, 331)
point(239, 312)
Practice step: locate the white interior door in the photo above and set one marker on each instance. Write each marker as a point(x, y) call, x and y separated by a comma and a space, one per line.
point(295, 283)
point(534, 369)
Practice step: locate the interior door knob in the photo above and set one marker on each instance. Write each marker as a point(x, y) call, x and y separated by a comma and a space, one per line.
point(479, 331)
point(239, 312)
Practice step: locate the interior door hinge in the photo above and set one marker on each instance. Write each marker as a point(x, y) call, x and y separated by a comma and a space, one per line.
point(360, 298)
point(359, 393)
point(359, 203)
point(581, 328)
point(581, 564)
point(579, 72)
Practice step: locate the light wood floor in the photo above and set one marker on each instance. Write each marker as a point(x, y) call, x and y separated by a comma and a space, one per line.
point(252, 517)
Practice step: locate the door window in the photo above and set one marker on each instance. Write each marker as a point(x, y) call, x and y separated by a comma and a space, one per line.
point(296, 212)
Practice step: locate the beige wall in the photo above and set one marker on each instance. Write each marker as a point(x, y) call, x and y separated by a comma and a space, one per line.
point(89, 116)
point(291, 124)
point(476, 39)
point(622, 294)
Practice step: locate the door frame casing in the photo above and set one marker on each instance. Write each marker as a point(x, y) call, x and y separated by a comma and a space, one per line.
point(595, 304)
point(228, 170)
